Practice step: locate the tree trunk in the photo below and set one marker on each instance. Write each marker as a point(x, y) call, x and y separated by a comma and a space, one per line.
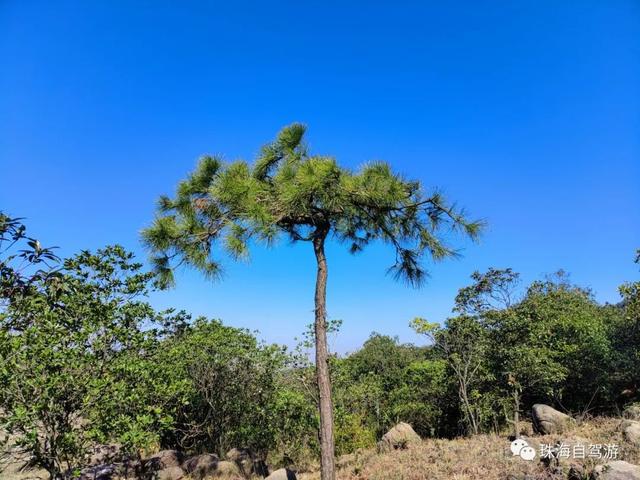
point(464, 398)
point(322, 364)
point(516, 413)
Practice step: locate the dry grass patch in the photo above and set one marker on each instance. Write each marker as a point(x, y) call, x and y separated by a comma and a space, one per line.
point(484, 457)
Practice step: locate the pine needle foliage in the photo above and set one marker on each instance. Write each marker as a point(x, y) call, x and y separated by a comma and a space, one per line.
point(288, 192)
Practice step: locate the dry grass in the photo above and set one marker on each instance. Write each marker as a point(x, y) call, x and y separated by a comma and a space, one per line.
point(485, 457)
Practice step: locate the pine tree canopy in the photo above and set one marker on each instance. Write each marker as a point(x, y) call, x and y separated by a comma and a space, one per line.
point(288, 192)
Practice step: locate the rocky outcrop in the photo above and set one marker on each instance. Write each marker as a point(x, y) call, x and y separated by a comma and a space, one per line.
point(201, 466)
point(548, 420)
point(248, 462)
point(399, 437)
point(617, 470)
point(227, 469)
point(632, 412)
point(282, 474)
point(104, 454)
point(162, 460)
point(631, 431)
point(99, 472)
point(171, 473)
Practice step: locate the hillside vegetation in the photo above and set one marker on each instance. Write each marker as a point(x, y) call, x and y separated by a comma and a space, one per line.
point(86, 361)
point(485, 456)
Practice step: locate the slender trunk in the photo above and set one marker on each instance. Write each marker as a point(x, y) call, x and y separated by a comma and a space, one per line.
point(516, 413)
point(322, 364)
point(469, 414)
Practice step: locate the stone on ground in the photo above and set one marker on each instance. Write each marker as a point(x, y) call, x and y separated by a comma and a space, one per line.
point(548, 420)
point(102, 454)
point(201, 466)
point(632, 412)
point(228, 470)
point(631, 431)
point(248, 461)
point(282, 474)
point(171, 473)
point(399, 437)
point(618, 470)
point(162, 460)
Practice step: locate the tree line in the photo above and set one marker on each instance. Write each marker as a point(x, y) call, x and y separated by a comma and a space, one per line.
point(86, 360)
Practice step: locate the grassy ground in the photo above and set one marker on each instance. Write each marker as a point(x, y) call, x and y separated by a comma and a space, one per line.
point(484, 457)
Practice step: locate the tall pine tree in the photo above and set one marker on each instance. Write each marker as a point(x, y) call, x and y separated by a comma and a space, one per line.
point(307, 198)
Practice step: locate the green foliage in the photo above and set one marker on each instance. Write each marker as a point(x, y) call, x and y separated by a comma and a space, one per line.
point(61, 344)
point(228, 386)
point(423, 398)
point(294, 426)
point(554, 343)
point(352, 432)
point(23, 260)
point(84, 359)
point(288, 192)
point(463, 343)
point(371, 374)
point(626, 340)
point(492, 290)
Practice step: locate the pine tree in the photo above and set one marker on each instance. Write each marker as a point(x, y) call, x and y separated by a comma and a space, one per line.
point(307, 198)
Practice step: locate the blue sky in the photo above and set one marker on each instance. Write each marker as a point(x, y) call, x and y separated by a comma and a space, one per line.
point(527, 113)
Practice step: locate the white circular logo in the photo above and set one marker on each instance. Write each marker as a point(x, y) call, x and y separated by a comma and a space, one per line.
point(520, 447)
point(528, 453)
point(517, 445)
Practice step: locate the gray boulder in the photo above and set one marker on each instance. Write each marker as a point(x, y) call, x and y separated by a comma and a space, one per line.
point(228, 470)
point(104, 454)
point(548, 420)
point(399, 437)
point(99, 472)
point(239, 454)
point(282, 474)
point(632, 412)
point(162, 460)
point(631, 431)
point(617, 470)
point(201, 466)
point(171, 473)
point(248, 462)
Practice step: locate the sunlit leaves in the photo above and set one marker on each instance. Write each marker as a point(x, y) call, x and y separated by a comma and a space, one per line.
point(289, 193)
point(62, 345)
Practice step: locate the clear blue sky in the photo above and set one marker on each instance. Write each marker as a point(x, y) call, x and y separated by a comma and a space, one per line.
point(526, 112)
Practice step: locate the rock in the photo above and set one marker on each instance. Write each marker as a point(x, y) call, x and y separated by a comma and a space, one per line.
point(228, 470)
point(171, 473)
point(282, 474)
point(99, 472)
point(617, 470)
point(162, 460)
point(201, 465)
point(631, 431)
point(249, 463)
point(548, 420)
point(239, 454)
point(399, 437)
point(632, 412)
point(243, 458)
point(103, 454)
point(576, 472)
